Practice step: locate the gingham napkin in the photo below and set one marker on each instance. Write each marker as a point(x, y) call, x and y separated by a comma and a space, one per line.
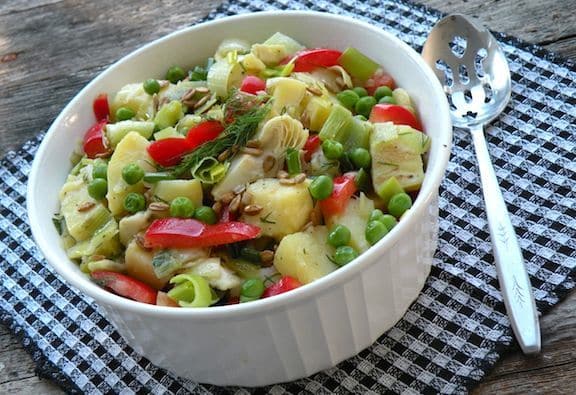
point(456, 330)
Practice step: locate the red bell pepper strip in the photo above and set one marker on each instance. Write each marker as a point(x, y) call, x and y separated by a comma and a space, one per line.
point(308, 60)
point(169, 152)
point(311, 145)
point(396, 114)
point(126, 286)
point(203, 132)
point(380, 78)
point(93, 143)
point(186, 233)
point(100, 107)
point(344, 188)
point(252, 84)
point(285, 284)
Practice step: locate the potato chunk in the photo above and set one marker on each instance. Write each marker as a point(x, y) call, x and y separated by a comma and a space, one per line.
point(285, 208)
point(304, 255)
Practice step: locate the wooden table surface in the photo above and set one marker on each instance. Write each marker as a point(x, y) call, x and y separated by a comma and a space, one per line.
point(49, 49)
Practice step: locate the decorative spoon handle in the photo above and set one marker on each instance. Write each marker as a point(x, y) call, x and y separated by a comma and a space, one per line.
point(514, 281)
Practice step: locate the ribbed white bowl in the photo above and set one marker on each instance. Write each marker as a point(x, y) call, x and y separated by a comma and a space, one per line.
point(291, 335)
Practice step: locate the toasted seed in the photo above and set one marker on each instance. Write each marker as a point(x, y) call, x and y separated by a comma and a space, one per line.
point(287, 181)
point(234, 148)
point(307, 225)
point(223, 155)
point(251, 151)
point(202, 89)
point(282, 174)
point(139, 239)
point(235, 203)
point(201, 102)
point(227, 197)
point(252, 209)
point(268, 163)
point(155, 102)
point(314, 90)
point(246, 198)
point(86, 206)
point(159, 206)
point(316, 215)
point(267, 256)
point(238, 189)
point(217, 207)
point(300, 178)
point(253, 144)
point(189, 94)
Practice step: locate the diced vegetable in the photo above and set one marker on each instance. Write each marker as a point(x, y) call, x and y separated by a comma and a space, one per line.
point(397, 152)
point(168, 190)
point(125, 286)
point(167, 133)
point(139, 266)
point(396, 114)
point(169, 114)
point(133, 96)
point(337, 125)
point(94, 144)
point(117, 131)
point(305, 255)
point(101, 108)
point(355, 217)
point(131, 149)
point(335, 204)
point(357, 64)
point(270, 54)
point(185, 233)
point(291, 46)
point(310, 59)
point(287, 93)
point(223, 76)
point(285, 208)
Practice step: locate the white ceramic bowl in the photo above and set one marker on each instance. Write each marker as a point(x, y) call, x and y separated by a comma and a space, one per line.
point(291, 335)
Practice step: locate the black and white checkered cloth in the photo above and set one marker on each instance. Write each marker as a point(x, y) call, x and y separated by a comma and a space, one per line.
point(456, 330)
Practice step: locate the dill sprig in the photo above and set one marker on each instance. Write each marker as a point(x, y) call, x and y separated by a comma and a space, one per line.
point(234, 136)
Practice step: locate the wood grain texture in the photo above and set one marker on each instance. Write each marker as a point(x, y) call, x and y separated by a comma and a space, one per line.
point(49, 49)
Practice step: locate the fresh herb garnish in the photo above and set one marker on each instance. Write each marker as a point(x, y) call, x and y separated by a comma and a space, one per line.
point(266, 219)
point(234, 137)
point(58, 222)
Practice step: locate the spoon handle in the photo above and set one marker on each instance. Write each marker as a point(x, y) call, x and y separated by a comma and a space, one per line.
point(514, 281)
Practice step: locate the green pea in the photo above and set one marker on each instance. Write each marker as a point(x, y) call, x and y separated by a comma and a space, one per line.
point(361, 92)
point(362, 180)
point(339, 236)
point(151, 86)
point(124, 114)
point(134, 202)
point(321, 187)
point(175, 74)
point(389, 221)
point(399, 203)
point(97, 188)
point(206, 214)
point(387, 100)
point(332, 149)
point(364, 105)
point(360, 157)
point(382, 91)
point(375, 230)
point(344, 254)
point(182, 207)
point(251, 289)
point(132, 173)
point(348, 98)
point(100, 170)
point(376, 215)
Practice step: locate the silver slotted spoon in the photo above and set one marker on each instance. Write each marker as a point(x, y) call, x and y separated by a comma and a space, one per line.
point(474, 72)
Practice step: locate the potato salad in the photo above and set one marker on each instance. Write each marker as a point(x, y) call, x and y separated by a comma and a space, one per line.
point(262, 169)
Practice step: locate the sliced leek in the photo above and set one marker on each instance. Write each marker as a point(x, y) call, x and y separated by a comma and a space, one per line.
point(223, 76)
point(291, 46)
point(231, 45)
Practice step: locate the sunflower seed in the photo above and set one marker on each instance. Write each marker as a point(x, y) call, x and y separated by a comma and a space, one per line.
point(159, 206)
point(282, 174)
point(86, 206)
point(268, 163)
point(251, 151)
point(314, 90)
point(217, 207)
point(189, 94)
point(299, 178)
point(227, 197)
point(266, 256)
point(246, 198)
point(252, 209)
point(202, 89)
point(223, 155)
point(316, 215)
point(253, 144)
point(238, 189)
point(287, 181)
point(201, 102)
point(235, 203)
